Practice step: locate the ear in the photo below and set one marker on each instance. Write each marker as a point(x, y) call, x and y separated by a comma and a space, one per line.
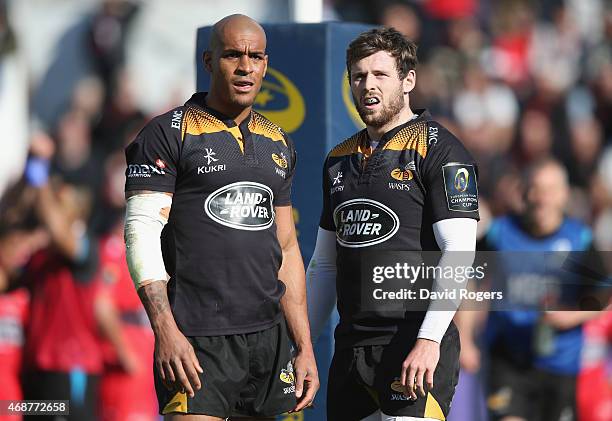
point(207, 59)
point(265, 65)
point(409, 82)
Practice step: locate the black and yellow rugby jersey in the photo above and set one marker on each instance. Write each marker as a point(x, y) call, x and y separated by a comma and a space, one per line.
point(387, 200)
point(226, 181)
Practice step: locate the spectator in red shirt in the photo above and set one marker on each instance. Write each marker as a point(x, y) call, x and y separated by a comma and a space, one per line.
point(68, 312)
point(130, 371)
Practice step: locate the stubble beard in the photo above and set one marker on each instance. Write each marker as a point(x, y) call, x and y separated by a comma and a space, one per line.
point(242, 100)
point(379, 118)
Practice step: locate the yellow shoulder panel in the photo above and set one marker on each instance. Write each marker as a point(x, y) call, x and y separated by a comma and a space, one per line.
point(411, 137)
point(352, 145)
point(264, 127)
point(200, 122)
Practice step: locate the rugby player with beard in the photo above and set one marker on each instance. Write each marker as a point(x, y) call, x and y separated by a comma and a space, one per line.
point(403, 184)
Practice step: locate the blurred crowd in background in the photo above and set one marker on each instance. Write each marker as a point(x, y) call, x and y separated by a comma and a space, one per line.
point(515, 80)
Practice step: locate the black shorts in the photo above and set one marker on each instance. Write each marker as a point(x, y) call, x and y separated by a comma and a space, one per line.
point(245, 375)
point(529, 393)
point(365, 379)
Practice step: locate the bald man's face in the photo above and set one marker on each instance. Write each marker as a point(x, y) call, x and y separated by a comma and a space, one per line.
point(238, 63)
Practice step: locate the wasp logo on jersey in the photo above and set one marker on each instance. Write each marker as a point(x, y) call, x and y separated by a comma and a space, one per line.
point(401, 175)
point(244, 205)
point(397, 386)
point(364, 222)
point(460, 186)
point(280, 160)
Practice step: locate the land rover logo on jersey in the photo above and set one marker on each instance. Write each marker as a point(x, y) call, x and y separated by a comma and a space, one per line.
point(244, 205)
point(364, 222)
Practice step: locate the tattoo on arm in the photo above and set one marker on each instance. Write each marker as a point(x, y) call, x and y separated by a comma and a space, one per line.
point(154, 297)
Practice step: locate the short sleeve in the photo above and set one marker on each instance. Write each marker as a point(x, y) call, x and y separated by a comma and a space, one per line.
point(327, 220)
point(450, 176)
point(152, 158)
point(283, 197)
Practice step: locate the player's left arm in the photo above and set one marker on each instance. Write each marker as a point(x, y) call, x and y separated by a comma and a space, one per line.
point(456, 238)
point(450, 175)
point(293, 303)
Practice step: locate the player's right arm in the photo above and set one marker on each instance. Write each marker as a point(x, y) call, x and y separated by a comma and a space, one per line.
point(147, 212)
point(152, 160)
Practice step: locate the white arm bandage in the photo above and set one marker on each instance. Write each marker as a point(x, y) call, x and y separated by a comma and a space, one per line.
point(144, 221)
point(452, 235)
point(321, 282)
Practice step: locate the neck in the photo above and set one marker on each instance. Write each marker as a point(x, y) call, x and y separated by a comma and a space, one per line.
point(402, 117)
point(236, 112)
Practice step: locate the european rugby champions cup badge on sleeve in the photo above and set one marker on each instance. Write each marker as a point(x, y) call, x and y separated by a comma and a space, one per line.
point(461, 187)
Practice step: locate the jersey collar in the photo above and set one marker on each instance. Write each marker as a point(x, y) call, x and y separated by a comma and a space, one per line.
point(198, 100)
point(423, 115)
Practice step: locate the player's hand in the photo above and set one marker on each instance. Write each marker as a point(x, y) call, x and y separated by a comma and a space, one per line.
point(420, 364)
point(306, 379)
point(176, 361)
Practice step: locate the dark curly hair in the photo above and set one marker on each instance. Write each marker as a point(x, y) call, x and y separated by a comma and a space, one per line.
point(383, 39)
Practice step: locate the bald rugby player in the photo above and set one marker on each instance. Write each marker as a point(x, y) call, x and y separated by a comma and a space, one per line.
point(219, 175)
